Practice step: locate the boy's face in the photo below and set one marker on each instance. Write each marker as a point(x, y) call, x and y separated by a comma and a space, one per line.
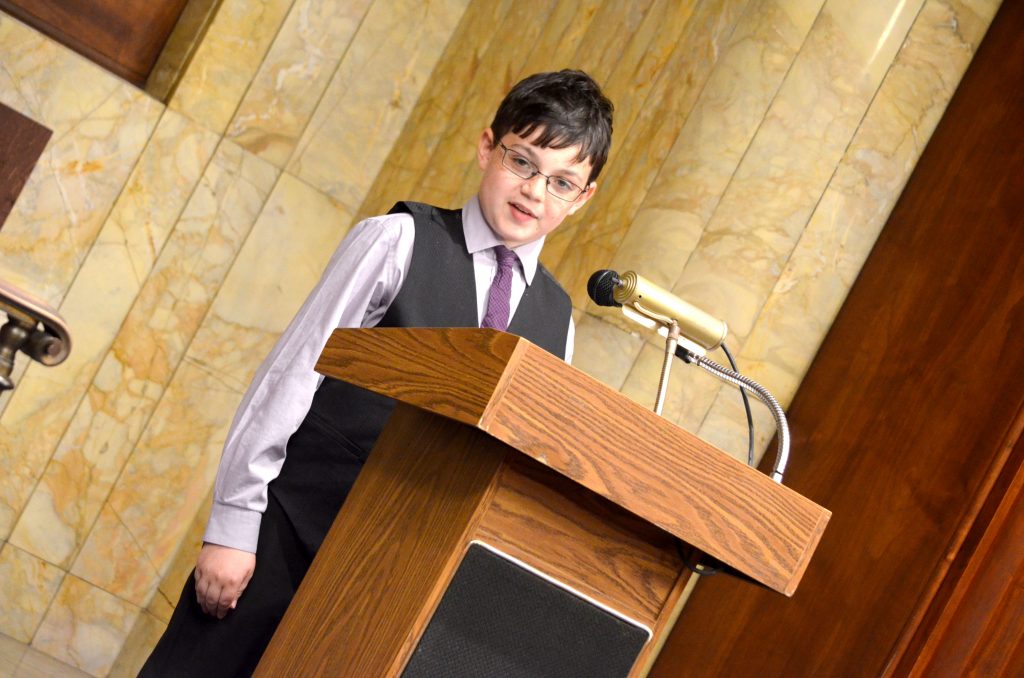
point(521, 210)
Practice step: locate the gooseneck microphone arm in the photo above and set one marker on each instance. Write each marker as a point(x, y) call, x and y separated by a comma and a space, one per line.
point(607, 288)
point(759, 392)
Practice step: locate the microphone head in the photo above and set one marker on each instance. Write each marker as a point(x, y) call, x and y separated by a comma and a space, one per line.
point(601, 287)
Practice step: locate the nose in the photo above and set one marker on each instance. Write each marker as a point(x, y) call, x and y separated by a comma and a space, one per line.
point(535, 186)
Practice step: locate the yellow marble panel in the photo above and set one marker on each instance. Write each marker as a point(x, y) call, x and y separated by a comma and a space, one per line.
point(11, 652)
point(725, 426)
point(597, 231)
point(137, 646)
point(604, 351)
point(27, 585)
point(169, 474)
point(50, 83)
point(227, 59)
point(294, 75)
point(36, 664)
point(172, 468)
point(455, 157)
point(100, 125)
point(371, 95)
point(859, 199)
point(182, 565)
point(164, 318)
point(790, 161)
point(562, 32)
point(112, 560)
point(599, 50)
point(711, 143)
point(435, 109)
point(85, 627)
point(290, 245)
point(157, 190)
point(785, 171)
point(181, 44)
point(117, 264)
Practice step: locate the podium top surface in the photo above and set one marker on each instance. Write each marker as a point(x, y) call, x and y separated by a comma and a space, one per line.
point(575, 425)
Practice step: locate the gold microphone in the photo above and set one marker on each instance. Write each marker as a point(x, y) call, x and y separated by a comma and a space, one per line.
point(608, 288)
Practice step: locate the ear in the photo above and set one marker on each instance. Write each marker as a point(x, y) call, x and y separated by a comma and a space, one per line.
point(484, 147)
point(584, 197)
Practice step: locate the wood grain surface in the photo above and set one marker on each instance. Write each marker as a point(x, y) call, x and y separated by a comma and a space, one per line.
point(904, 411)
point(22, 141)
point(974, 622)
point(123, 36)
point(438, 375)
point(591, 434)
point(390, 552)
point(577, 537)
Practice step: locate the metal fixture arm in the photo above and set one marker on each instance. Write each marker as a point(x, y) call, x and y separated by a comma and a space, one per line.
point(671, 344)
point(759, 392)
point(32, 327)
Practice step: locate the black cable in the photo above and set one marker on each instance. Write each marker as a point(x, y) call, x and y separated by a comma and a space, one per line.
point(746, 407)
point(685, 356)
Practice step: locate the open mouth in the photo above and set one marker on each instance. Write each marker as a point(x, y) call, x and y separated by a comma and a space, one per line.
point(522, 210)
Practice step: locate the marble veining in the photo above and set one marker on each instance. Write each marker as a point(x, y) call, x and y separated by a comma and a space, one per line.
point(760, 146)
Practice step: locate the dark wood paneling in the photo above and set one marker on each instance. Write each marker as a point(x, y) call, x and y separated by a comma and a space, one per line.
point(973, 623)
point(905, 409)
point(123, 36)
point(22, 141)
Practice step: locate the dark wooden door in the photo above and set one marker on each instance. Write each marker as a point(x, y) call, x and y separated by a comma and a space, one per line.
point(123, 36)
point(904, 428)
point(22, 141)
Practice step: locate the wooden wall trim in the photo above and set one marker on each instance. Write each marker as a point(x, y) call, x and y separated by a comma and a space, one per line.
point(971, 617)
point(932, 616)
point(123, 36)
point(904, 411)
point(22, 141)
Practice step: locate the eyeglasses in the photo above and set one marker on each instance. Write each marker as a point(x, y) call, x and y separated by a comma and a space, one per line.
point(521, 166)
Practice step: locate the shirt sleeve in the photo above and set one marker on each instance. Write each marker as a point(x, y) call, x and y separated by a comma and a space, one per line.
point(570, 341)
point(361, 280)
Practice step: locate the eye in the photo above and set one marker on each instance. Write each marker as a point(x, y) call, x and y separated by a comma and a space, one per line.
point(563, 185)
point(521, 162)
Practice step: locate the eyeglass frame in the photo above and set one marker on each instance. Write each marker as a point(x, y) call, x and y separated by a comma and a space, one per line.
point(547, 177)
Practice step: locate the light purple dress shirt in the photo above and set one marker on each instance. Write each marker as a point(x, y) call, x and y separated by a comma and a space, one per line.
point(362, 279)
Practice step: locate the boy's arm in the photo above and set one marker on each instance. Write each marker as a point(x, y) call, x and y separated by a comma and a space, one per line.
point(360, 282)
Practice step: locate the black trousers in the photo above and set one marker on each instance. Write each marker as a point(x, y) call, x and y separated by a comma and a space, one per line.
point(196, 644)
point(321, 467)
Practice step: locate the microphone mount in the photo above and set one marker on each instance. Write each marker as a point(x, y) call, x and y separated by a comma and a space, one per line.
point(759, 392)
point(651, 306)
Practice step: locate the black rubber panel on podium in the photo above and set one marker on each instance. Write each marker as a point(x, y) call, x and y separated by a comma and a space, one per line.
point(499, 619)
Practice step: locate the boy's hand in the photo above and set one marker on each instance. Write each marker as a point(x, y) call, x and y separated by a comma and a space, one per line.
point(222, 574)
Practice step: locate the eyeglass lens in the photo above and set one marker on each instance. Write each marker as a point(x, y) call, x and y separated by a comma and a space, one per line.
point(524, 168)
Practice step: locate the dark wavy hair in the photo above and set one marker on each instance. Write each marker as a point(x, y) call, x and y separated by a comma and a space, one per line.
point(569, 109)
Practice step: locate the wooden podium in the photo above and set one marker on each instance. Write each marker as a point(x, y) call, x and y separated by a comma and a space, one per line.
point(496, 442)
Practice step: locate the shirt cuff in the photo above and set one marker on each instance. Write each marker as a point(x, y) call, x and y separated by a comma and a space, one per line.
point(234, 527)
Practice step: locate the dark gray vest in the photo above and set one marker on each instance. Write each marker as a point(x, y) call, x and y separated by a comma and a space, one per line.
point(326, 452)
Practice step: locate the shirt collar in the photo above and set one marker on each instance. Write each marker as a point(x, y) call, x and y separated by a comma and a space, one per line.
point(479, 236)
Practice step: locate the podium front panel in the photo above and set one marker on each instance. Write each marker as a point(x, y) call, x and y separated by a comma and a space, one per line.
point(499, 617)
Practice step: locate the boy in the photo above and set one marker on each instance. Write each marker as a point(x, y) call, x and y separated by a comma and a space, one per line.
point(298, 440)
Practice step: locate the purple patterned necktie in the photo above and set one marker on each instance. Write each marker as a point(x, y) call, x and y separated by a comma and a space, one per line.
point(501, 290)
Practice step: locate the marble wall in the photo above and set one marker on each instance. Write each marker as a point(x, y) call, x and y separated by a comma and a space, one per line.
point(759, 147)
